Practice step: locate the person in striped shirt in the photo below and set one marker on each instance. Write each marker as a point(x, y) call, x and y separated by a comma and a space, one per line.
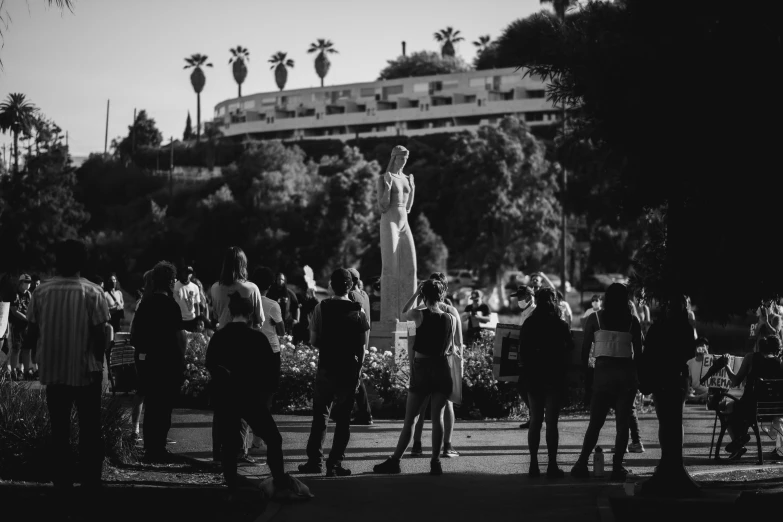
point(67, 317)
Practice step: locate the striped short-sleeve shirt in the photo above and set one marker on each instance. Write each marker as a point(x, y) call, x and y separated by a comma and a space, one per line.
point(65, 309)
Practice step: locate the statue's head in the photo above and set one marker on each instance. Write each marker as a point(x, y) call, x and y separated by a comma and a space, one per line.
point(399, 157)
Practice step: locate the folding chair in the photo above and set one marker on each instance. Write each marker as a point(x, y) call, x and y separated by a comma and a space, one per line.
point(122, 366)
point(723, 416)
point(768, 406)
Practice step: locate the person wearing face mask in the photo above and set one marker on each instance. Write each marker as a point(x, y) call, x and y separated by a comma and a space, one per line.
point(116, 304)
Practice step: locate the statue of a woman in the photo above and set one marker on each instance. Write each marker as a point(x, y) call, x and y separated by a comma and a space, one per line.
point(395, 199)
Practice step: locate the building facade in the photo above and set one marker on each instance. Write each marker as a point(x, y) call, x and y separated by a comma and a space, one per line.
point(405, 106)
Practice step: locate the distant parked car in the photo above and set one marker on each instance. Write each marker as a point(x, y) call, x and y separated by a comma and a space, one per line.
point(462, 277)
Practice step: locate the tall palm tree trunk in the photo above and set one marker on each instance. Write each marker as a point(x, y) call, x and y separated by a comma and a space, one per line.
point(322, 82)
point(198, 117)
point(240, 89)
point(16, 152)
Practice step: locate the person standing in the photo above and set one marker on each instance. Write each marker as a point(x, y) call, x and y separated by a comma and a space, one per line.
point(188, 297)
point(67, 319)
point(19, 357)
point(116, 303)
point(233, 278)
point(617, 335)
point(478, 314)
point(526, 301)
point(545, 343)
point(358, 295)
point(301, 333)
point(338, 330)
point(670, 344)
point(159, 337)
point(36, 282)
point(140, 364)
point(286, 298)
point(430, 372)
point(245, 372)
point(596, 305)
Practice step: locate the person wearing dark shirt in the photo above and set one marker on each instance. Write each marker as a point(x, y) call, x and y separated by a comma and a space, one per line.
point(545, 343)
point(663, 371)
point(160, 342)
point(245, 372)
point(358, 295)
point(286, 298)
point(338, 331)
point(478, 313)
point(301, 331)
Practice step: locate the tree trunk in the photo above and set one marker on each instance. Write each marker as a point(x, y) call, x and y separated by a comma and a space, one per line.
point(322, 81)
point(16, 153)
point(240, 89)
point(500, 287)
point(198, 117)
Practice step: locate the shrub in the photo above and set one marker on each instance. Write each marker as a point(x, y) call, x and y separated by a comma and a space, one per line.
point(25, 432)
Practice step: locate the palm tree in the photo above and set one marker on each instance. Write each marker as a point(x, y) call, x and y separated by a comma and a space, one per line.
point(482, 43)
point(448, 37)
point(322, 64)
point(280, 64)
point(16, 116)
point(197, 80)
point(239, 55)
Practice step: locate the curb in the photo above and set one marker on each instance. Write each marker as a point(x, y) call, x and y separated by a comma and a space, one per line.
point(734, 469)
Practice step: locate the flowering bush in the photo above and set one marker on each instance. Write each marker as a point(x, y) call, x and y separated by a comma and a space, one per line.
point(384, 374)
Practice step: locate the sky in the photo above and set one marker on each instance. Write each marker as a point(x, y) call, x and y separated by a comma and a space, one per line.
point(132, 53)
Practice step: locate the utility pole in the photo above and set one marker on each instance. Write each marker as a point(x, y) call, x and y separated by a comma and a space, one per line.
point(106, 137)
point(133, 134)
point(171, 173)
point(66, 139)
point(564, 224)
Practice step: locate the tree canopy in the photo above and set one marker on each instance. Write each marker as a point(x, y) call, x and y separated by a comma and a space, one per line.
point(422, 63)
point(142, 134)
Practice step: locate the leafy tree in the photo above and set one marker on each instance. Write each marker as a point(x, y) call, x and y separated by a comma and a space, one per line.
point(560, 6)
point(17, 116)
point(600, 61)
point(188, 134)
point(431, 252)
point(197, 80)
point(447, 38)
point(239, 56)
point(507, 216)
point(422, 63)
point(39, 211)
point(322, 63)
point(142, 134)
point(280, 63)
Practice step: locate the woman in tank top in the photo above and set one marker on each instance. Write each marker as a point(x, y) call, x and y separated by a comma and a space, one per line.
point(617, 337)
point(430, 373)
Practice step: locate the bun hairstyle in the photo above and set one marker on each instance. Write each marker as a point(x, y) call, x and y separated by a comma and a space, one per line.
point(433, 291)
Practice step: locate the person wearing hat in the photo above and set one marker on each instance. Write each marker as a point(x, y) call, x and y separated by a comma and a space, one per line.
point(358, 295)
point(524, 295)
point(478, 313)
point(17, 323)
point(187, 295)
point(338, 330)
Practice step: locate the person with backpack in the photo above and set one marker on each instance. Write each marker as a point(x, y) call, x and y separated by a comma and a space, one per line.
point(615, 335)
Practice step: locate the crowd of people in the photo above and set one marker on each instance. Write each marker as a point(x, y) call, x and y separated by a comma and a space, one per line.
point(68, 319)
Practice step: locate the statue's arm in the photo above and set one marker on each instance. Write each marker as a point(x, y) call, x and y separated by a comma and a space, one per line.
point(384, 194)
point(409, 205)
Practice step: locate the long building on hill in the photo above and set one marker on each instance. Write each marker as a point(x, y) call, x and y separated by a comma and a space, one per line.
point(405, 106)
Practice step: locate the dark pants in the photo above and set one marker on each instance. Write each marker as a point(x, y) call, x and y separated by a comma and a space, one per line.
point(331, 391)
point(365, 412)
point(602, 402)
point(544, 405)
point(668, 409)
point(159, 403)
point(589, 387)
point(60, 399)
point(229, 415)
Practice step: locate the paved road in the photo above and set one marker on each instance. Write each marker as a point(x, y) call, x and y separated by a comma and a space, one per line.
point(488, 479)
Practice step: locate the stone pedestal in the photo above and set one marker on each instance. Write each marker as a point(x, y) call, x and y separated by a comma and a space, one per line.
point(394, 336)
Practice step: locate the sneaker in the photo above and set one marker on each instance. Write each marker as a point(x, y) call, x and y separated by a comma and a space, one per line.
point(525, 425)
point(580, 471)
point(449, 451)
point(738, 454)
point(310, 467)
point(436, 468)
point(337, 470)
point(244, 458)
point(554, 472)
point(618, 474)
point(636, 447)
point(170, 441)
point(416, 450)
point(361, 422)
point(775, 455)
point(390, 466)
